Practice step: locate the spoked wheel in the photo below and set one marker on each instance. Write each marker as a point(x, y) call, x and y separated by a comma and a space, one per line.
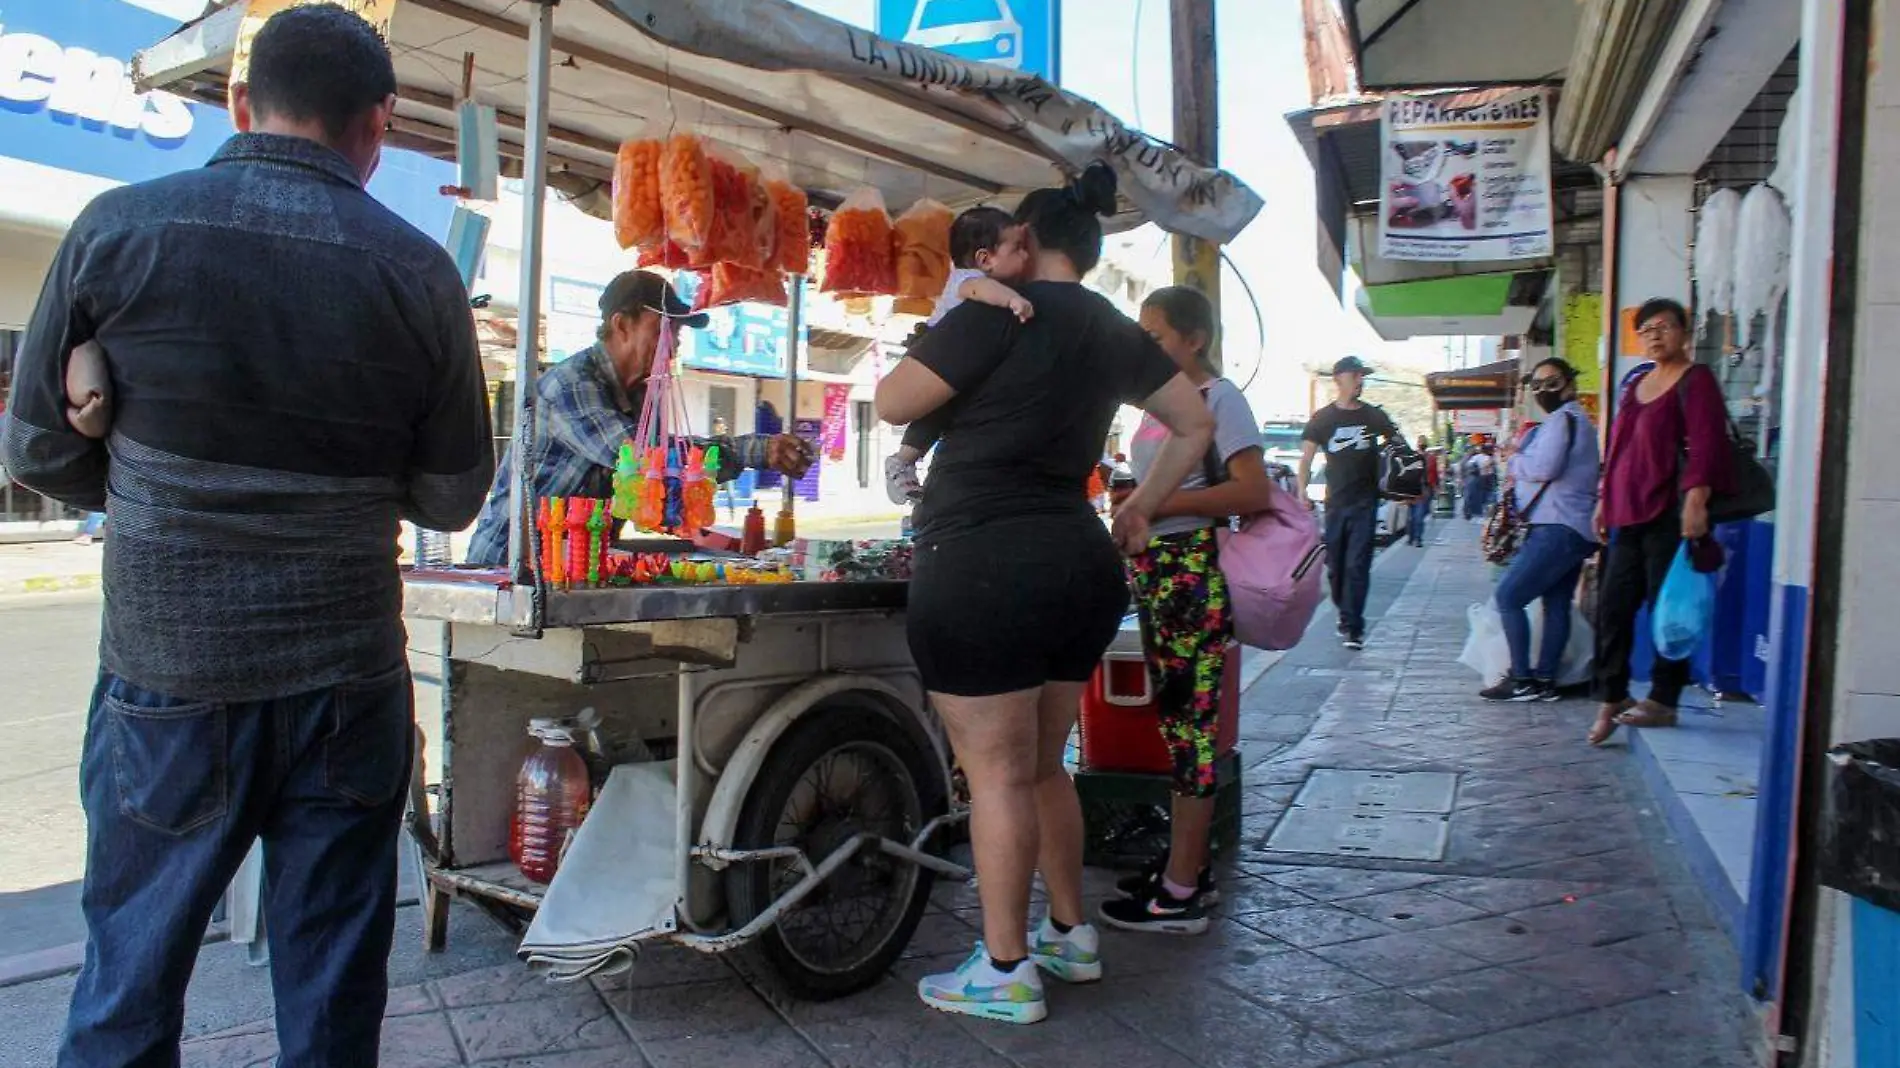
point(840, 772)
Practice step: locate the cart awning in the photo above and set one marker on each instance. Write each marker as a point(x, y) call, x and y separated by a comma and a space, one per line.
point(839, 106)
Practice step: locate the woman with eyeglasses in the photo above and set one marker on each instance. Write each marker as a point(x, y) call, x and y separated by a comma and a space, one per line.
point(1554, 482)
point(1668, 451)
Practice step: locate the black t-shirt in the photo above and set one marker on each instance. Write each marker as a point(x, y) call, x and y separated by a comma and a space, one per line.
point(1034, 404)
point(1350, 440)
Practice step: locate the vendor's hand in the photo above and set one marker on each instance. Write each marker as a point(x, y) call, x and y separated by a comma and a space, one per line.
point(1695, 519)
point(789, 455)
point(1131, 529)
point(1022, 309)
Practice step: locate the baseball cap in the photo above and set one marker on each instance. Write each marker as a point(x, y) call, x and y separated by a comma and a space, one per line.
point(636, 290)
point(1351, 365)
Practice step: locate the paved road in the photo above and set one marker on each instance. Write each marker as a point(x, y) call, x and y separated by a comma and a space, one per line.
point(51, 643)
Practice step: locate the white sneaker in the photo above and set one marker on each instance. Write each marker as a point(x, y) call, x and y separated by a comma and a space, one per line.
point(976, 988)
point(901, 483)
point(1075, 957)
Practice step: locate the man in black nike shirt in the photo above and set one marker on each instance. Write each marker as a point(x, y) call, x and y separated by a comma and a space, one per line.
point(1350, 432)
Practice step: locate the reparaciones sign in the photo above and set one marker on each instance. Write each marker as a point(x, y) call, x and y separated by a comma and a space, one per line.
point(1464, 182)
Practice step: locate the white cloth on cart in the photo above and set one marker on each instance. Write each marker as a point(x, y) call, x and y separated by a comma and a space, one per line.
point(615, 886)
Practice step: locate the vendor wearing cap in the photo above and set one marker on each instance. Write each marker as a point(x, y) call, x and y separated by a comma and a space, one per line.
point(1349, 431)
point(589, 404)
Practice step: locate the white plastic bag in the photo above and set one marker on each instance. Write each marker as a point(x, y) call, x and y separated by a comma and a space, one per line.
point(1487, 653)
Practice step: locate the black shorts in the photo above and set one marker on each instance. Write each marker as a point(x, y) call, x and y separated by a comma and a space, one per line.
point(1014, 605)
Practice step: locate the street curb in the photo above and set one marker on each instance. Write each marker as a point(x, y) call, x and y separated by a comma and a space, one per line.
point(55, 961)
point(49, 584)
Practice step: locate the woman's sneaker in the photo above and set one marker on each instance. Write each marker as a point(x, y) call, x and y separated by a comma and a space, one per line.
point(1075, 957)
point(978, 989)
point(1139, 883)
point(1511, 689)
point(1157, 911)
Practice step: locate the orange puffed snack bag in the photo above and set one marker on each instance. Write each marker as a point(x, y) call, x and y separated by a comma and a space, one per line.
point(860, 256)
point(664, 254)
point(791, 224)
point(738, 206)
point(686, 191)
point(638, 218)
point(732, 284)
point(922, 236)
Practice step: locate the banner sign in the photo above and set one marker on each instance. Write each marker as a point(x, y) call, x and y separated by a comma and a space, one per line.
point(1465, 183)
point(831, 438)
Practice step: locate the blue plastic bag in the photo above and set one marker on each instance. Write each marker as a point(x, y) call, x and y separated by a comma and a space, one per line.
point(1684, 609)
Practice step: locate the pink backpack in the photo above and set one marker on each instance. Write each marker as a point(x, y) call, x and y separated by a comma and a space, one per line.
point(1271, 561)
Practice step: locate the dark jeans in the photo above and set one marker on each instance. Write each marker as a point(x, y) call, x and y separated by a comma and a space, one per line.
point(1350, 533)
point(1546, 568)
point(175, 792)
point(1421, 512)
point(1634, 566)
point(1478, 496)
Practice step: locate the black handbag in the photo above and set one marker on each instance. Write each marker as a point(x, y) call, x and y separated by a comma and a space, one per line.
point(1754, 492)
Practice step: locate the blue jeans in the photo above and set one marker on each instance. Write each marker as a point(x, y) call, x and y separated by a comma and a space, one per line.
point(1350, 534)
point(175, 792)
point(1546, 568)
point(1421, 512)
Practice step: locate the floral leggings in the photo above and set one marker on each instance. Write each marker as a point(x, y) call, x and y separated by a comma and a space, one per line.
point(1185, 627)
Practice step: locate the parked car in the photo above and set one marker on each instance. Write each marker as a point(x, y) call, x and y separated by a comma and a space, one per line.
point(1395, 517)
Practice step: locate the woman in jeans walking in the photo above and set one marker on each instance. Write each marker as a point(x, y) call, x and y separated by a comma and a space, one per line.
point(1555, 483)
point(1668, 451)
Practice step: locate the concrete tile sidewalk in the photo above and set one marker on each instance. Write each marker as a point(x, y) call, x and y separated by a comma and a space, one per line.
point(1558, 929)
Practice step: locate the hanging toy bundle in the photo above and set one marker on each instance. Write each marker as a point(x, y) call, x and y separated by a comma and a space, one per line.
point(660, 479)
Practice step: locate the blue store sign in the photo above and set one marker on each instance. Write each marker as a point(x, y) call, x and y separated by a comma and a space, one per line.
point(741, 339)
point(1023, 35)
point(67, 102)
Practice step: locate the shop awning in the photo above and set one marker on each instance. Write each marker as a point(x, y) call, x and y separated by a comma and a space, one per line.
point(840, 107)
point(1416, 44)
point(1474, 305)
point(1616, 48)
point(1491, 386)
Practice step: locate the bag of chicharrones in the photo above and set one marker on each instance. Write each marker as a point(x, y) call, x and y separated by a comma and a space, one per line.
point(639, 216)
point(860, 255)
point(739, 206)
point(922, 234)
point(686, 192)
point(729, 283)
point(790, 220)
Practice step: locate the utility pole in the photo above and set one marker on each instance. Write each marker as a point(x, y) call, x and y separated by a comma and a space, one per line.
point(1196, 132)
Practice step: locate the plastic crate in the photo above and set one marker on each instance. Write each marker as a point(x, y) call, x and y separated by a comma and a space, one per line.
point(1125, 816)
point(1120, 723)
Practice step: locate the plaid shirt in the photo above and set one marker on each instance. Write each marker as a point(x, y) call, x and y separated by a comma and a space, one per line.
point(583, 415)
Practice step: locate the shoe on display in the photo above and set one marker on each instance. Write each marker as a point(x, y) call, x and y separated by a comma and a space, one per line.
point(978, 989)
point(1075, 957)
point(901, 483)
point(1156, 911)
point(1137, 884)
point(1510, 689)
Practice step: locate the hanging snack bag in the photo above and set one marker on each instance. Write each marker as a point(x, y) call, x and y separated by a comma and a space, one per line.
point(639, 219)
point(790, 219)
point(923, 250)
point(859, 254)
point(686, 192)
point(737, 205)
point(665, 254)
point(732, 284)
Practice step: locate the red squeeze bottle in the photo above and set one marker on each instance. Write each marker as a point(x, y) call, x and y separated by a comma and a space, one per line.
point(752, 542)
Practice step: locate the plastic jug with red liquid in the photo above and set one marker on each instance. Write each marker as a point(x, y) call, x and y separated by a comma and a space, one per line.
point(551, 799)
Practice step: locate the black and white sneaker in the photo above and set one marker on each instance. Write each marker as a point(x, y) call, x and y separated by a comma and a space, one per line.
point(1355, 642)
point(1156, 911)
point(1511, 689)
point(1548, 692)
point(1149, 878)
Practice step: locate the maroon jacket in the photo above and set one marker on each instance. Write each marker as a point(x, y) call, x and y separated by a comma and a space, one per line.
point(1659, 450)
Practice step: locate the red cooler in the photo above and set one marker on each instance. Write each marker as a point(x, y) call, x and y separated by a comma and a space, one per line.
point(1120, 724)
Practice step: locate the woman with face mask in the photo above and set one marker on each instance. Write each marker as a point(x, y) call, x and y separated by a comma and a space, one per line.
point(1555, 481)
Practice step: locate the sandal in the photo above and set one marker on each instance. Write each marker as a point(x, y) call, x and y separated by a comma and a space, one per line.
point(1609, 717)
point(1648, 714)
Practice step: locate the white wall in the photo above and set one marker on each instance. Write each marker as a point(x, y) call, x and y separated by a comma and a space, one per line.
point(1655, 231)
point(25, 257)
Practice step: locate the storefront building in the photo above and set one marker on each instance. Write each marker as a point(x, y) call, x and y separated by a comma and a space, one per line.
point(72, 127)
point(1740, 151)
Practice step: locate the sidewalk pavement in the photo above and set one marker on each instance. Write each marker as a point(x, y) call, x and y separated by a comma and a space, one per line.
point(1559, 929)
point(48, 566)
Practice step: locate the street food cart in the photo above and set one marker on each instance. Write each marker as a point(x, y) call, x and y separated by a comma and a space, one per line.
point(780, 781)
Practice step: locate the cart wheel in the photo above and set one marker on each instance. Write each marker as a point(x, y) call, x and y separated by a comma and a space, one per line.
point(842, 771)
